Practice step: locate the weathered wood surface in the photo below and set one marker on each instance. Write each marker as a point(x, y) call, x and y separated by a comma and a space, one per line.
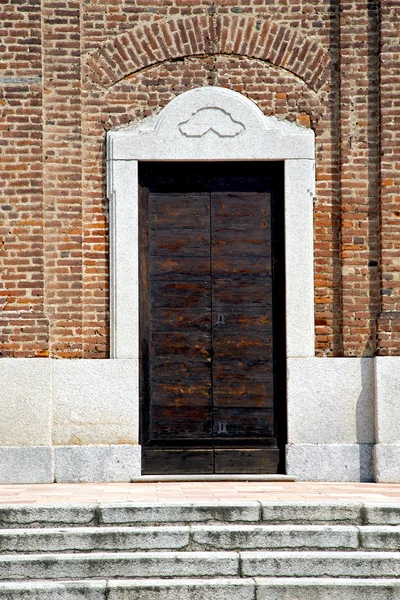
point(209, 334)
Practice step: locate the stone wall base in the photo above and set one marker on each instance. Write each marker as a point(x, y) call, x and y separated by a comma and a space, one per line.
point(75, 464)
point(77, 420)
point(386, 463)
point(329, 462)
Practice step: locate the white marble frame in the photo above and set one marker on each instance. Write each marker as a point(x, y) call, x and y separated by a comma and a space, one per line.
point(237, 130)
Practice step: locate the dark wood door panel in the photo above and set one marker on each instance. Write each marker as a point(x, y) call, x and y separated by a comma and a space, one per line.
point(192, 345)
point(243, 422)
point(238, 292)
point(190, 211)
point(240, 265)
point(252, 460)
point(241, 242)
point(235, 372)
point(241, 318)
point(180, 242)
point(207, 351)
point(178, 461)
point(183, 421)
point(180, 267)
point(239, 344)
point(175, 393)
point(240, 211)
point(184, 294)
point(184, 319)
point(184, 370)
point(180, 404)
point(258, 394)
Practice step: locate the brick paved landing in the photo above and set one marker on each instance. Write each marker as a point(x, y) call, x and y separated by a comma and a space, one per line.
point(197, 491)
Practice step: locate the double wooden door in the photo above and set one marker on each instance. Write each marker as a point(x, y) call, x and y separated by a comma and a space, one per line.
point(207, 308)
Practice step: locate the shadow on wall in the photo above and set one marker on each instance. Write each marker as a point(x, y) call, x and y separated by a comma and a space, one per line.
point(365, 423)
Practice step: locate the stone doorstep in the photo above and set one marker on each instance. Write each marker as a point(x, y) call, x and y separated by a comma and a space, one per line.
point(210, 478)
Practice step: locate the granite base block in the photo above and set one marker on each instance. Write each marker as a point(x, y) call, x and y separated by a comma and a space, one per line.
point(97, 463)
point(386, 463)
point(29, 464)
point(329, 462)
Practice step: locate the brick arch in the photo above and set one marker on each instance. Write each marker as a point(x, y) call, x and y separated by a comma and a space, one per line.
point(151, 43)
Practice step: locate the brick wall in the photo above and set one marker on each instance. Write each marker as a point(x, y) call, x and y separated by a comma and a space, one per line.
point(23, 322)
point(69, 71)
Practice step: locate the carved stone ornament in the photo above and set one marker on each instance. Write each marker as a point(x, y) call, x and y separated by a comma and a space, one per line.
point(211, 120)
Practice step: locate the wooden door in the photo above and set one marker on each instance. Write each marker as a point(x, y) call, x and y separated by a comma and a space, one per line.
point(207, 308)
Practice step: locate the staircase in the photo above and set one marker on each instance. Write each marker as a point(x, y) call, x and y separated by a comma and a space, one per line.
point(200, 551)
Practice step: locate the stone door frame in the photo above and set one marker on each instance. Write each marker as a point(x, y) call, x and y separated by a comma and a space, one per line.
point(210, 124)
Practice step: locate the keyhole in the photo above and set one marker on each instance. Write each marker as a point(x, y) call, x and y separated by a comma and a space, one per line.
point(220, 320)
point(221, 427)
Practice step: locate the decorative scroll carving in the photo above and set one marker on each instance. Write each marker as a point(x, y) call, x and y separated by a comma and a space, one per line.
point(211, 119)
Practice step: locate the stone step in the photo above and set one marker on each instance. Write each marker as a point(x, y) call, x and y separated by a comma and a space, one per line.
point(192, 512)
point(200, 537)
point(233, 537)
point(195, 537)
point(378, 537)
point(320, 564)
point(323, 589)
point(99, 539)
point(53, 590)
point(98, 565)
point(205, 589)
point(110, 565)
point(158, 513)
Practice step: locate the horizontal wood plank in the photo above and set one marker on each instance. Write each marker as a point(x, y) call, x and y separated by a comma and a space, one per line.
point(240, 265)
point(253, 242)
point(177, 393)
point(174, 268)
point(240, 211)
point(179, 461)
point(250, 344)
point(180, 242)
point(190, 293)
point(190, 211)
point(238, 291)
point(243, 422)
point(186, 420)
point(181, 343)
point(184, 318)
point(258, 394)
point(232, 371)
point(253, 460)
point(182, 370)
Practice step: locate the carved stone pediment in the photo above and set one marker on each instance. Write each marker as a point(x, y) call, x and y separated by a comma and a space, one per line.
point(211, 123)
